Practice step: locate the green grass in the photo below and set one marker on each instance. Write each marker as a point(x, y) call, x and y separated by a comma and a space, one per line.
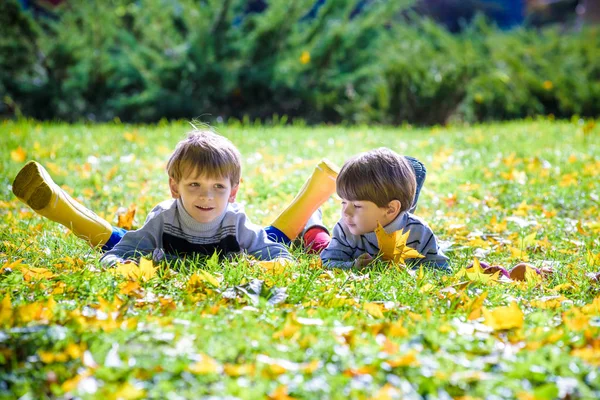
point(519, 191)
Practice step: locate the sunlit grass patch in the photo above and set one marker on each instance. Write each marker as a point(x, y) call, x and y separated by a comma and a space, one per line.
point(502, 194)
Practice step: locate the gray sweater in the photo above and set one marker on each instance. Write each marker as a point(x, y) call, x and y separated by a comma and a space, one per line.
point(170, 230)
point(345, 247)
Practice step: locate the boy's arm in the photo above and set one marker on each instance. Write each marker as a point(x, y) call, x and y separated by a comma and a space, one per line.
point(135, 244)
point(339, 253)
point(255, 241)
point(424, 241)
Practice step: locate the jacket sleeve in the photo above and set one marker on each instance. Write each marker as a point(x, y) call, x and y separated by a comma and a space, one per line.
point(424, 241)
point(138, 243)
point(339, 253)
point(253, 239)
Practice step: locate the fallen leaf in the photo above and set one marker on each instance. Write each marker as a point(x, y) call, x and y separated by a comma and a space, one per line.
point(476, 306)
point(374, 309)
point(392, 246)
point(502, 318)
point(125, 219)
point(281, 393)
point(407, 360)
point(206, 365)
point(18, 155)
point(142, 272)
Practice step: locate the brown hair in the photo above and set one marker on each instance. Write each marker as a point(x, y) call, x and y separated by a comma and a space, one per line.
point(380, 176)
point(205, 152)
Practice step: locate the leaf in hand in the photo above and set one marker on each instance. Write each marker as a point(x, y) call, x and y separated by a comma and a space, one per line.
point(392, 246)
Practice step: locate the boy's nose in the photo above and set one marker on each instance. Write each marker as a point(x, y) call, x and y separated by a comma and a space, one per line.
point(206, 194)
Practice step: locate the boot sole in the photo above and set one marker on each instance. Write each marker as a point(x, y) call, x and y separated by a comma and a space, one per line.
point(31, 187)
point(329, 167)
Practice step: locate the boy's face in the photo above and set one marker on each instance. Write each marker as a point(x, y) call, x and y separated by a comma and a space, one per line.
point(361, 217)
point(203, 198)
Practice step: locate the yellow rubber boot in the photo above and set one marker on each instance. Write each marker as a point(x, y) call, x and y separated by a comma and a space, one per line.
point(316, 190)
point(34, 187)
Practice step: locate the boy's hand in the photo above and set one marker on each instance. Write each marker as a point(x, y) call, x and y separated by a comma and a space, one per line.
point(363, 260)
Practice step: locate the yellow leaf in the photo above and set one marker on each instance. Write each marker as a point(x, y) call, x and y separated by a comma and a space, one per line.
point(588, 354)
point(207, 277)
point(397, 329)
point(147, 269)
point(305, 57)
point(364, 370)
point(593, 308)
point(273, 267)
point(5, 310)
point(502, 318)
point(238, 370)
point(34, 273)
point(12, 265)
point(576, 320)
point(529, 240)
point(392, 246)
point(591, 259)
point(129, 392)
point(142, 272)
point(426, 288)
point(281, 393)
point(374, 309)
point(549, 302)
point(311, 367)
point(387, 392)
point(29, 312)
point(125, 219)
point(476, 306)
point(407, 360)
point(128, 270)
point(476, 274)
point(128, 287)
point(563, 287)
point(206, 365)
point(531, 275)
point(289, 329)
point(74, 351)
point(18, 155)
point(47, 357)
point(71, 384)
point(390, 347)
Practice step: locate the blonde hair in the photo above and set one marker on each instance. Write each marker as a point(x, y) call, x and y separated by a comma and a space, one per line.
point(205, 153)
point(380, 176)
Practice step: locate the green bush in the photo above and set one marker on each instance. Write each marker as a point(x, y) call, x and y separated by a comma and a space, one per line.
point(536, 72)
point(18, 38)
point(144, 61)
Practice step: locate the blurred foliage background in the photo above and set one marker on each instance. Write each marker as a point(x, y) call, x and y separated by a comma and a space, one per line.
point(334, 61)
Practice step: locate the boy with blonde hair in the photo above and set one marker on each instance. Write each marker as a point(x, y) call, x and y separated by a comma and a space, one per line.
point(204, 176)
point(378, 187)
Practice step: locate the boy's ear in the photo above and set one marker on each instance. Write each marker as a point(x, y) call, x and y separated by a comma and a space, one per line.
point(174, 189)
point(234, 191)
point(393, 207)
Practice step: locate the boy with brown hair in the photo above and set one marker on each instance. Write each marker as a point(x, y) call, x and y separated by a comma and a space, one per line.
point(378, 187)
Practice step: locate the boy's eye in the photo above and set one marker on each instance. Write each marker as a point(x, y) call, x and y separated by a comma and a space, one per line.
point(220, 186)
point(357, 206)
point(194, 184)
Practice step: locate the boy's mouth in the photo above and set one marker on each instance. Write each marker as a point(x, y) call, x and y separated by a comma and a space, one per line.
point(205, 208)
